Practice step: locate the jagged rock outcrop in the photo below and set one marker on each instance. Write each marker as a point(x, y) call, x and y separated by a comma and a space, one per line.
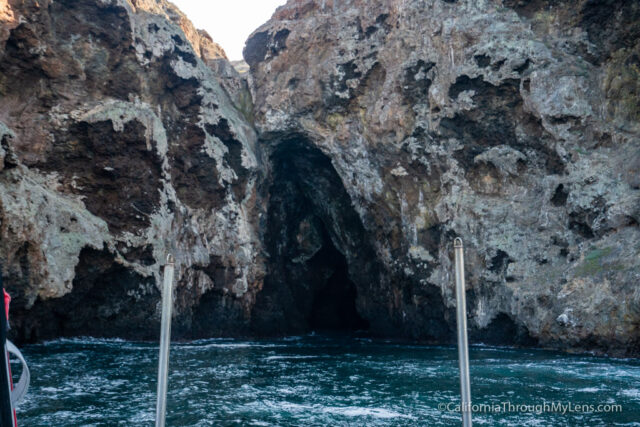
point(384, 129)
point(393, 126)
point(124, 137)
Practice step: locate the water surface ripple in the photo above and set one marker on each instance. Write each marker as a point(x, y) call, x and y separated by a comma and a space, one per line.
point(316, 380)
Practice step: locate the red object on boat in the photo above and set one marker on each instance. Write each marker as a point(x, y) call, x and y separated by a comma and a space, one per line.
point(7, 300)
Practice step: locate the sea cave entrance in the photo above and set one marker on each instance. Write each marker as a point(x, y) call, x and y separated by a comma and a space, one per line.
point(319, 258)
point(334, 302)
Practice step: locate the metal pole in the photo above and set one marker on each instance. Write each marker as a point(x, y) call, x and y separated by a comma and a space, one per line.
point(165, 338)
point(463, 346)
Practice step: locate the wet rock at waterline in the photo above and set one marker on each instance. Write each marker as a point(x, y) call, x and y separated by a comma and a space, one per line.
point(322, 189)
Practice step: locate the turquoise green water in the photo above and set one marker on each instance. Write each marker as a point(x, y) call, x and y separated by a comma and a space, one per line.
point(317, 380)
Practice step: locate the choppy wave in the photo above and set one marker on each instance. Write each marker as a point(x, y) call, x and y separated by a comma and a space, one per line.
point(314, 380)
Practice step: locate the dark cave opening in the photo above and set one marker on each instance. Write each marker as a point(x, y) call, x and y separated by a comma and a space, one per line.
point(334, 304)
point(318, 253)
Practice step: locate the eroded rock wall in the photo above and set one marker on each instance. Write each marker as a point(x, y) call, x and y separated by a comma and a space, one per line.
point(383, 129)
point(124, 137)
point(511, 124)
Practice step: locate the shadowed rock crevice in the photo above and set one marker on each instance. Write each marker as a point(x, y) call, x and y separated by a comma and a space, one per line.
point(116, 172)
point(498, 119)
point(417, 82)
point(503, 330)
point(609, 24)
point(263, 44)
point(218, 313)
point(107, 300)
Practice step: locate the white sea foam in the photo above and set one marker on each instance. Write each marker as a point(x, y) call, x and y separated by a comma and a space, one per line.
point(632, 392)
point(230, 345)
point(590, 389)
point(358, 411)
point(84, 340)
point(292, 357)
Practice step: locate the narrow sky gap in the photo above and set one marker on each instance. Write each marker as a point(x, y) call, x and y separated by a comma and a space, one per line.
point(229, 23)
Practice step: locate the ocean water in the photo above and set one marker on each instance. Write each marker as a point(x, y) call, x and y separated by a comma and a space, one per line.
point(319, 380)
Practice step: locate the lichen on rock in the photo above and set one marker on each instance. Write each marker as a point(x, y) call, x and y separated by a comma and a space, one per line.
point(129, 148)
point(507, 125)
point(322, 188)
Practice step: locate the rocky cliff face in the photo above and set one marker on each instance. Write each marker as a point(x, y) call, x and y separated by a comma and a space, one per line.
point(393, 126)
point(378, 131)
point(124, 138)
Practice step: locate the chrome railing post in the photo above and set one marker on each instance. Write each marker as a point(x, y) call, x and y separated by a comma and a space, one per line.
point(463, 345)
point(165, 338)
